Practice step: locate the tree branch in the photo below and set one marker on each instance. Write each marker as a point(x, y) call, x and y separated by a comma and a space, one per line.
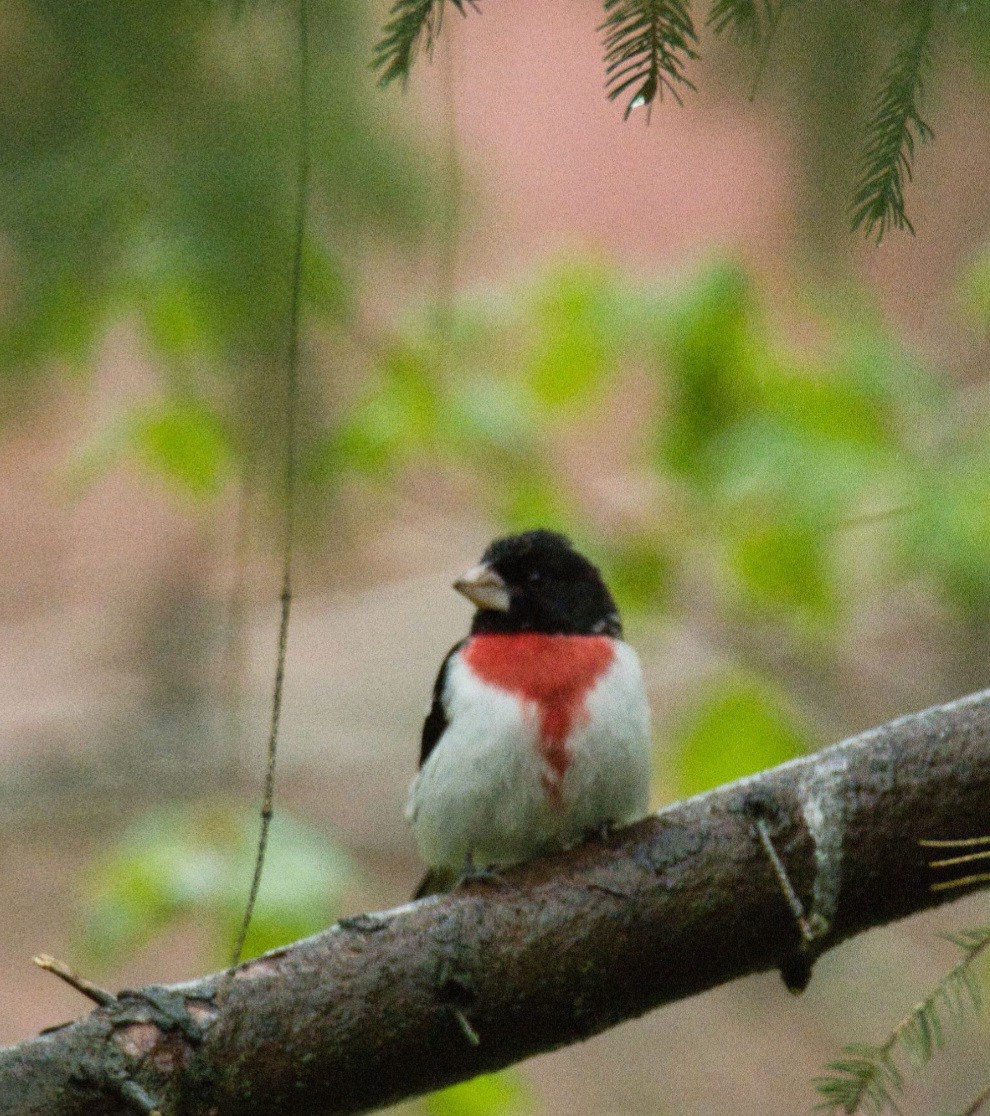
point(389, 1005)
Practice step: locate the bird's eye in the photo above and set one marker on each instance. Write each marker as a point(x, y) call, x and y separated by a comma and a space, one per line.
point(535, 576)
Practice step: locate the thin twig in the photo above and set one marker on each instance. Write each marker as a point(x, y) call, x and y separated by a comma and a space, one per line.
point(90, 990)
point(451, 185)
point(866, 519)
point(138, 1098)
point(474, 1039)
point(793, 900)
point(291, 393)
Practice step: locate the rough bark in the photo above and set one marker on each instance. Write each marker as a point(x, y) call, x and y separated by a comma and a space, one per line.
point(393, 1004)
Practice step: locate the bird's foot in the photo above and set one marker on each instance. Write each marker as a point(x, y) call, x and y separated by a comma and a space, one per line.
point(600, 832)
point(472, 874)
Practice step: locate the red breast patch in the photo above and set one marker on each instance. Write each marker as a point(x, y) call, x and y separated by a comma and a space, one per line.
point(555, 672)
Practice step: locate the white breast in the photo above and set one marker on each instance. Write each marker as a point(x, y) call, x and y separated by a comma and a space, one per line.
point(482, 790)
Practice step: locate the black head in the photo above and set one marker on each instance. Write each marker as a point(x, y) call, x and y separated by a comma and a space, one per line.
point(537, 582)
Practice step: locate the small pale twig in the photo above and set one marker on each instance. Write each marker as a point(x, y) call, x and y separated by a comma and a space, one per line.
point(465, 1025)
point(793, 900)
point(139, 1099)
point(133, 1094)
point(90, 990)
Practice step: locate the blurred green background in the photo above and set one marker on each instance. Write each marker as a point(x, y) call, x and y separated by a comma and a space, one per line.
point(517, 311)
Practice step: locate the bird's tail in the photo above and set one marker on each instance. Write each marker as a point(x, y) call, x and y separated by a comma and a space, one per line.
point(435, 881)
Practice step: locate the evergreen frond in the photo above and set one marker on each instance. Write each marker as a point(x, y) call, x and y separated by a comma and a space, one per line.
point(754, 23)
point(867, 1078)
point(895, 130)
point(412, 25)
point(741, 19)
point(647, 45)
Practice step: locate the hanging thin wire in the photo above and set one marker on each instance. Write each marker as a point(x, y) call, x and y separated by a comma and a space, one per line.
point(289, 483)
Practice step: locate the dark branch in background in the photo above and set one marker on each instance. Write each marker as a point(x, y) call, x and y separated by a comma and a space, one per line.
point(978, 1105)
point(647, 45)
point(289, 489)
point(374, 1009)
point(895, 129)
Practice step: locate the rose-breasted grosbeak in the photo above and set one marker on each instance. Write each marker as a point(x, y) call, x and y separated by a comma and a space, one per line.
point(539, 731)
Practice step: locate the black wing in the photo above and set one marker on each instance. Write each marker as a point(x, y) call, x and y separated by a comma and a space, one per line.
point(436, 720)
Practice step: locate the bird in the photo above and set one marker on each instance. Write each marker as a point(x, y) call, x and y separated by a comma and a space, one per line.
point(538, 734)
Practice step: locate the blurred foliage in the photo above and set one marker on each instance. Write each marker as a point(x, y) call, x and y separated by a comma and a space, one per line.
point(147, 177)
point(183, 442)
point(735, 727)
point(752, 456)
point(190, 864)
point(747, 454)
point(748, 465)
point(194, 862)
point(493, 1094)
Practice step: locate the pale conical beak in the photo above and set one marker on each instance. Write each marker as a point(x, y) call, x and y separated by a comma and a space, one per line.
point(483, 587)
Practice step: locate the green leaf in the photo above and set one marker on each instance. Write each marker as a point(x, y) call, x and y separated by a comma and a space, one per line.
point(196, 861)
point(493, 1094)
point(974, 290)
point(492, 415)
point(174, 322)
point(577, 327)
point(639, 572)
point(736, 727)
point(186, 443)
point(946, 539)
point(709, 351)
point(782, 566)
point(400, 416)
point(827, 403)
point(529, 498)
point(60, 316)
point(183, 442)
point(771, 469)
